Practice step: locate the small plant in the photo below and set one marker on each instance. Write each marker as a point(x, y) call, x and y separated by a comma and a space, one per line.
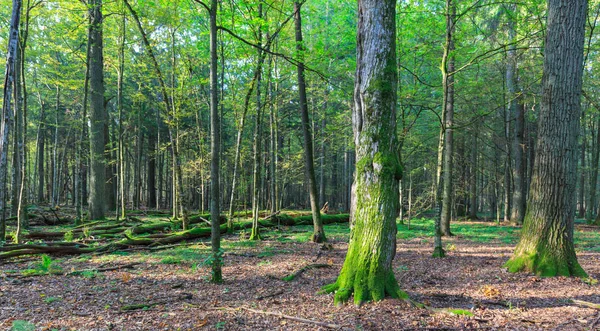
point(590, 281)
point(89, 274)
point(68, 236)
point(264, 263)
point(50, 300)
point(20, 325)
point(450, 247)
point(220, 325)
point(170, 260)
point(460, 312)
point(87, 232)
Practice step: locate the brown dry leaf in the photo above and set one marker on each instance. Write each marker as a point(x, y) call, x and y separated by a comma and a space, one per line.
point(490, 291)
point(202, 323)
point(125, 277)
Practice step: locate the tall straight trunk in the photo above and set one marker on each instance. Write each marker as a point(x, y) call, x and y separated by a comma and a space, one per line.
point(110, 189)
point(9, 93)
point(473, 180)
point(448, 104)
point(309, 164)
point(519, 180)
point(97, 201)
point(55, 174)
point(215, 122)
point(546, 245)
point(591, 211)
point(516, 110)
point(17, 143)
point(151, 173)
point(40, 147)
point(121, 156)
point(82, 164)
point(367, 271)
point(273, 143)
point(582, 170)
point(257, 144)
point(507, 167)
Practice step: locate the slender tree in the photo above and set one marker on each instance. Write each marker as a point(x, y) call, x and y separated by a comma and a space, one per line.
point(309, 164)
point(448, 104)
point(546, 245)
point(367, 271)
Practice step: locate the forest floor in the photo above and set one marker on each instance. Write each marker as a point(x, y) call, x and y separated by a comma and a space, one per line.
point(168, 289)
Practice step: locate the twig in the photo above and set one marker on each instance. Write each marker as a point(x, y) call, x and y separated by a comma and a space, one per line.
point(120, 267)
point(293, 276)
point(586, 304)
point(274, 294)
point(293, 318)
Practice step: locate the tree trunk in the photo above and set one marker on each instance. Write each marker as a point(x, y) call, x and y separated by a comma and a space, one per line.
point(448, 104)
point(594, 180)
point(215, 134)
point(97, 194)
point(546, 245)
point(473, 180)
point(40, 148)
point(257, 144)
point(367, 271)
point(517, 112)
point(582, 170)
point(309, 164)
point(9, 92)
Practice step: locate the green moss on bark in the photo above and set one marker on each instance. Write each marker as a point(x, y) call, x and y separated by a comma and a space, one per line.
point(438, 252)
point(545, 264)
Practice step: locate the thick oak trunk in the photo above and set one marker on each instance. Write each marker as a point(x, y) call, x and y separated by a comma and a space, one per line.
point(546, 246)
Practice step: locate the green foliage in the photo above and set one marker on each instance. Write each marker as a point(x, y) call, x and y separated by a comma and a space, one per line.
point(50, 300)
point(45, 266)
point(460, 312)
point(68, 236)
point(21, 325)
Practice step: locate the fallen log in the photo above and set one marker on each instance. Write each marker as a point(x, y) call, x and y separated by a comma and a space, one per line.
point(153, 240)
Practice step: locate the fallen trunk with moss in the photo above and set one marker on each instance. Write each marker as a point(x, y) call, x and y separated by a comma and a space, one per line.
point(156, 234)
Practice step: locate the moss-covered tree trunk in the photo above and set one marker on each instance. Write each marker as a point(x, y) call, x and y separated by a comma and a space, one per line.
point(367, 270)
point(546, 246)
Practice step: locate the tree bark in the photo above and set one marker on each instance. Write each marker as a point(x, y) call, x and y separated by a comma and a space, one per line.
point(215, 134)
point(448, 104)
point(309, 164)
point(9, 93)
point(257, 143)
point(517, 112)
point(97, 202)
point(546, 245)
point(367, 271)
point(591, 211)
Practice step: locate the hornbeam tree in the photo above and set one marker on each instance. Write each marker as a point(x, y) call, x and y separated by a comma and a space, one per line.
point(367, 271)
point(546, 246)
